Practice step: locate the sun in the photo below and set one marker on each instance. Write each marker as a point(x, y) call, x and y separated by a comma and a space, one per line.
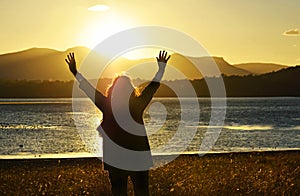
point(102, 24)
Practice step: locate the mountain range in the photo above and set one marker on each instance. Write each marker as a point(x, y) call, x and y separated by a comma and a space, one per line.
point(49, 64)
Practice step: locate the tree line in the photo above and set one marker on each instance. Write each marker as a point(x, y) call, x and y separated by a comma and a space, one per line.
point(281, 83)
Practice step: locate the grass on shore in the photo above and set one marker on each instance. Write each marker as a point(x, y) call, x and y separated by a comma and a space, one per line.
point(273, 173)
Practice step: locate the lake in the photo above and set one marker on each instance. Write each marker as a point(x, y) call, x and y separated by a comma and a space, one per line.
point(60, 127)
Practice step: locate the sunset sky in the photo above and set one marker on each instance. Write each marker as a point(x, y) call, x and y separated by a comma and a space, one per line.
point(239, 31)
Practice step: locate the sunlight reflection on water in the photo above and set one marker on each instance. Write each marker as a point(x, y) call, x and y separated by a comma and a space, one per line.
point(46, 126)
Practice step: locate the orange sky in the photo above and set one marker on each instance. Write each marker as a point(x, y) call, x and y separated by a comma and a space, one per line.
point(239, 31)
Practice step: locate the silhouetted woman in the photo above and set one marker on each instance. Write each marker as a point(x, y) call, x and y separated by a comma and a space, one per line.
point(126, 150)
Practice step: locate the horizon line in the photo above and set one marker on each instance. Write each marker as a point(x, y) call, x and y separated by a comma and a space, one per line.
point(86, 47)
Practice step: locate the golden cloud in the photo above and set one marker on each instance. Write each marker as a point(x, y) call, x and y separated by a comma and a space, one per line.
point(292, 32)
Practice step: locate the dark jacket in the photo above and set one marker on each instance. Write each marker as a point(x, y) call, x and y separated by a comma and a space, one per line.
point(122, 148)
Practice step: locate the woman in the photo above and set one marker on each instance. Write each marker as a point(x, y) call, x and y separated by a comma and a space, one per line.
point(126, 150)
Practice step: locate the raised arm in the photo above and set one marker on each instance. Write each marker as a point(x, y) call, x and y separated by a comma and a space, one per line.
point(96, 96)
point(151, 88)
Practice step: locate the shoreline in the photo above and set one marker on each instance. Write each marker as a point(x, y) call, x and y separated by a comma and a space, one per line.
point(79, 155)
point(250, 173)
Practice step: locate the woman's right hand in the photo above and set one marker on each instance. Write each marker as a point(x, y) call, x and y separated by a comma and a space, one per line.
point(162, 59)
point(70, 60)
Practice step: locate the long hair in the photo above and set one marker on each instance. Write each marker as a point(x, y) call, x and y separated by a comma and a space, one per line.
point(126, 84)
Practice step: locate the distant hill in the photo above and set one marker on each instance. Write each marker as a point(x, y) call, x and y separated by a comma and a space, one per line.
point(188, 67)
point(260, 68)
point(180, 67)
point(38, 64)
point(205, 63)
point(48, 64)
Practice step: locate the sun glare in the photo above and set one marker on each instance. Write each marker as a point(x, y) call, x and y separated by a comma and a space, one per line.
point(141, 53)
point(101, 27)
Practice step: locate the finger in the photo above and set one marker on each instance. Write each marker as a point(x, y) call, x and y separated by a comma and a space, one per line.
point(69, 56)
point(163, 54)
point(67, 61)
point(157, 58)
point(72, 57)
point(168, 58)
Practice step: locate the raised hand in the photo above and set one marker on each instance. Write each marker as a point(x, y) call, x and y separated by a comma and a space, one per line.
point(162, 59)
point(70, 60)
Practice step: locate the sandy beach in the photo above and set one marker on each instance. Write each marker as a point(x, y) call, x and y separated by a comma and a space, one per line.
point(251, 173)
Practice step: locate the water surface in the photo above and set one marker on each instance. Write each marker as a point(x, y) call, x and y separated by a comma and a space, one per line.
point(36, 127)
